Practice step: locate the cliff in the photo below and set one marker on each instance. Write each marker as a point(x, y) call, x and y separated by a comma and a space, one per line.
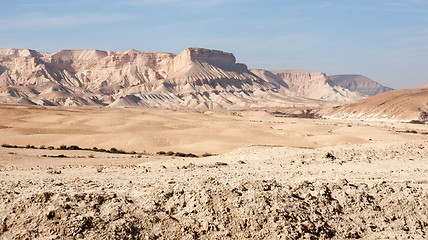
point(195, 78)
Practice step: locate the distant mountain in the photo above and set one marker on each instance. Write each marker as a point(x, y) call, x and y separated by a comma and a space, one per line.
point(196, 78)
point(397, 105)
point(308, 84)
point(359, 83)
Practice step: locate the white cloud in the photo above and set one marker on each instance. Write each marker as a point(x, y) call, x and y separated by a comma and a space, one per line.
point(38, 20)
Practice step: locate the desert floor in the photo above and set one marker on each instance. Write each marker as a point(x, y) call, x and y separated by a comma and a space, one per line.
point(274, 177)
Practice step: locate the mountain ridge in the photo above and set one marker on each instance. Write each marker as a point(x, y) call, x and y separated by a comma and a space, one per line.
point(195, 78)
point(359, 83)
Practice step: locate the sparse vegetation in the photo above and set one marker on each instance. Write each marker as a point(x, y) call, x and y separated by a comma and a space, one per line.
point(177, 154)
point(71, 147)
point(74, 147)
point(303, 114)
point(191, 155)
point(170, 153)
point(112, 150)
point(207, 155)
point(55, 156)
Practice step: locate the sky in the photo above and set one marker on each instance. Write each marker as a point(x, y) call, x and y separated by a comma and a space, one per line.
point(385, 40)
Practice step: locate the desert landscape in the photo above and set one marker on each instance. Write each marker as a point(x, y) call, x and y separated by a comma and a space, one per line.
point(269, 176)
point(147, 145)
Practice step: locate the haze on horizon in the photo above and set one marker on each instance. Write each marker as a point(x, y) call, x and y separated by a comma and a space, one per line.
point(384, 40)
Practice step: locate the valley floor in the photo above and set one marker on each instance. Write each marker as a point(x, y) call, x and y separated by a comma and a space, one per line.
point(277, 178)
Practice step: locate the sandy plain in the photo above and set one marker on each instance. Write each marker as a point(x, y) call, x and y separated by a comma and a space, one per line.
point(273, 177)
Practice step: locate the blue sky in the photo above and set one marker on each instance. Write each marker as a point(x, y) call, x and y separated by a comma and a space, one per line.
point(386, 40)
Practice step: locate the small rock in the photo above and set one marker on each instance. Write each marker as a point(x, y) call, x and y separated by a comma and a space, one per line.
point(329, 156)
point(220, 164)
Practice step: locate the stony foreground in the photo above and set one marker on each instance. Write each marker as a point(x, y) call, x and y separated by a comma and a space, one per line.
point(373, 191)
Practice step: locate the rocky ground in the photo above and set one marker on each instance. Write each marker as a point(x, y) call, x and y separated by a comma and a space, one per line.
point(370, 191)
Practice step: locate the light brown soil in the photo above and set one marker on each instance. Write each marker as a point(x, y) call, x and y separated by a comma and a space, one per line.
point(374, 189)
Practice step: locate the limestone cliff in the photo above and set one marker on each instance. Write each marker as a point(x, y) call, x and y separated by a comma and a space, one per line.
point(195, 78)
point(359, 83)
point(309, 85)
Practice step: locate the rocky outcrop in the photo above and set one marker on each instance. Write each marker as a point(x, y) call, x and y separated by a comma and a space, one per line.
point(309, 85)
point(195, 78)
point(359, 83)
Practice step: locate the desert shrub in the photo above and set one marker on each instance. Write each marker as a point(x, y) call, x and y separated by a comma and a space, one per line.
point(63, 147)
point(58, 156)
point(51, 148)
point(30, 146)
point(207, 155)
point(161, 153)
point(42, 147)
point(6, 145)
point(91, 156)
point(191, 155)
point(169, 153)
point(74, 147)
point(179, 154)
point(117, 151)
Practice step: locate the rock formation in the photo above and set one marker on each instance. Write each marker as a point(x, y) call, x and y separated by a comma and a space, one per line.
point(309, 85)
point(359, 83)
point(409, 105)
point(196, 78)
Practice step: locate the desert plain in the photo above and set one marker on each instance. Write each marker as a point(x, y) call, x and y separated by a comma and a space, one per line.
point(264, 175)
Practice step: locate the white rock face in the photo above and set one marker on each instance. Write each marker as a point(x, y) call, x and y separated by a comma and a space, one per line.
point(359, 83)
point(195, 78)
point(316, 86)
